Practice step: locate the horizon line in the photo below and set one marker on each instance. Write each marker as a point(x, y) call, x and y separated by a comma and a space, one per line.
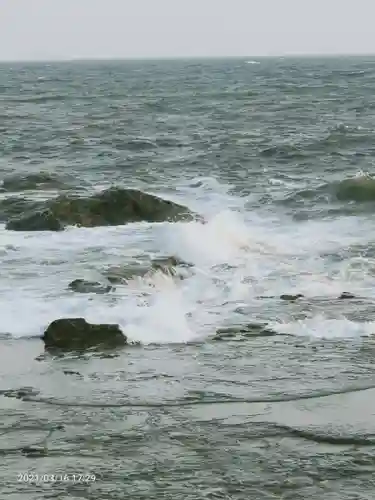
point(184, 58)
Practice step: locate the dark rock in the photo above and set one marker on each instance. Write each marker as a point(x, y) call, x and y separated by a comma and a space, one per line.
point(168, 265)
point(38, 180)
point(76, 333)
point(291, 298)
point(116, 206)
point(113, 207)
point(71, 372)
point(171, 266)
point(347, 295)
point(82, 286)
point(122, 274)
point(37, 221)
point(286, 296)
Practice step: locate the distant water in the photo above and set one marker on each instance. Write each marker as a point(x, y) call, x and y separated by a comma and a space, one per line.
point(278, 156)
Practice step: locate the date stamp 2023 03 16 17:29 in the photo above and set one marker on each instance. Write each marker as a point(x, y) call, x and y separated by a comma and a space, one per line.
point(32, 478)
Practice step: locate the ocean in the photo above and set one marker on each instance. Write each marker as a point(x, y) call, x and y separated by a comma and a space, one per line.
point(249, 372)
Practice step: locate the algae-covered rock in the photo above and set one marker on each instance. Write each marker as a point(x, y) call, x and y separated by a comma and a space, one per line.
point(112, 207)
point(37, 221)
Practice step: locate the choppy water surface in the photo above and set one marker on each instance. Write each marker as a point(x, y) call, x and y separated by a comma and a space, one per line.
point(277, 156)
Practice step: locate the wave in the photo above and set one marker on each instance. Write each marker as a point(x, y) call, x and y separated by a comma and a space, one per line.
point(321, 327)
point(359, 189)
point(338, 140)
point(284, 152)
point(42, 99)
point(236, 256)
point(231, 265)
point(32, 396)
point(32, 181)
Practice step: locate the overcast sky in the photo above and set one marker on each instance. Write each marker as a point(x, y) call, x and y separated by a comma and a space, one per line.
point(55, 29)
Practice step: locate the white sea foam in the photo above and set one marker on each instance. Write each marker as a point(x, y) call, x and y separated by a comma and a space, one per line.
point(236, 256)
point(322, 327)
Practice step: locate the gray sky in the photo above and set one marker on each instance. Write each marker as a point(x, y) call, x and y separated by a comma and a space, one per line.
point(55, 29)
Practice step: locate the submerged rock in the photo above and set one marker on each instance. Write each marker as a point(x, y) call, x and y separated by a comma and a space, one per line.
point(83, 286)
point(20, 393)
point(37, 221)
point(112, 207)
point(76, 333)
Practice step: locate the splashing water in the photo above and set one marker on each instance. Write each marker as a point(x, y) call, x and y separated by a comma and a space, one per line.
point(236, 256)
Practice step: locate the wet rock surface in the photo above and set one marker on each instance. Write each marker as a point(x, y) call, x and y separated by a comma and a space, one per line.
point(112, 207)
point(84, 286)
point(116, 206)
point(347, 295)
point(122, 274)
point(77, 333)
point(291, 298)
point(37, 221)
point(169, 266)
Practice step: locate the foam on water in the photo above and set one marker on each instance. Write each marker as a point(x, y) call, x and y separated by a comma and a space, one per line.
point(324, 328)
point(236, 255)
